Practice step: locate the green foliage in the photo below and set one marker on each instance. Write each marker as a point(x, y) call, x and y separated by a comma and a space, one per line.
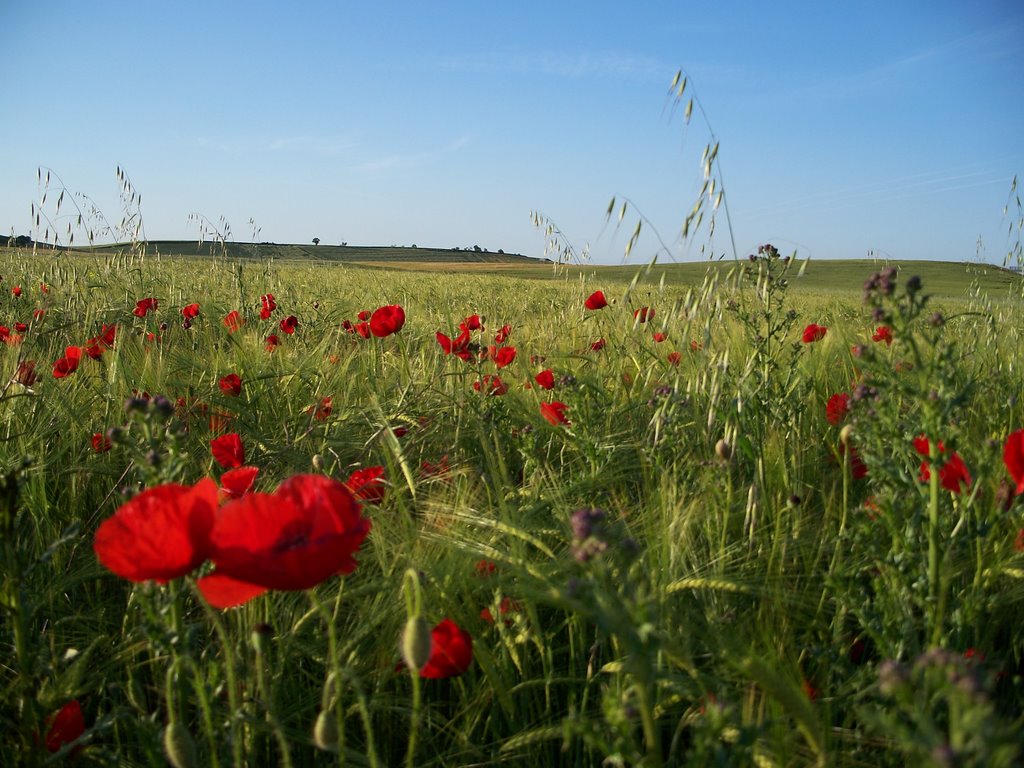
point(654, 600)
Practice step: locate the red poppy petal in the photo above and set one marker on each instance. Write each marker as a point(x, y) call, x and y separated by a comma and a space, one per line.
point(451, 651)
point(222, 591)
point(1013, 458)
point(161, 534)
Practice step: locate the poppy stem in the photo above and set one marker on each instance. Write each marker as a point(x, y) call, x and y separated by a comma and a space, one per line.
point(934, 582)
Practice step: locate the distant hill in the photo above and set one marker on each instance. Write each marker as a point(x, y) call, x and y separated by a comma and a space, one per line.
point(356, 254)
point(826, 277)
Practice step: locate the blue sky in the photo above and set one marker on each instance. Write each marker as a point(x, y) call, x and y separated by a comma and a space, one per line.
point(844, 128)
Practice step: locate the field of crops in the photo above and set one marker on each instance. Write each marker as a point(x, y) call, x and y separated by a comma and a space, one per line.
point(278, 512)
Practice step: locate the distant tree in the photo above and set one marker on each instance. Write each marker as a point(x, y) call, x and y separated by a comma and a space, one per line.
point(501, 251)
point(413, 245)
point(344, 243)
point(316, 241)
point(477, 248)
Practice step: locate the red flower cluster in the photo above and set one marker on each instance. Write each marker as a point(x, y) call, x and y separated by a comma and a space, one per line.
point(491, 384)
point(882, 333)
point(305, 532)
point(190, 311)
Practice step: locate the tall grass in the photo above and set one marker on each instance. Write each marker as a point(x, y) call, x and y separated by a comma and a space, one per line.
point(691, 570)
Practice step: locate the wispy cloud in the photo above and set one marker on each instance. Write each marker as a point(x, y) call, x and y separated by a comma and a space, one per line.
point(556, 64)
point(393, 160)
point(301, 144)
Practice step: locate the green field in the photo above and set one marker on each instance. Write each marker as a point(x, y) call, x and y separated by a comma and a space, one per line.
point(719, 521)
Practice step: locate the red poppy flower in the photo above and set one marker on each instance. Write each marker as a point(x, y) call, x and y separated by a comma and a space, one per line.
point(44, 288)
point(16, 290)
point(837, 408)
point(107, 334)
point(387, 320)
point(598, 345)
point(231, 385)
point(502, 334)
point(814, 332)
point(144, 306)
point(492, 385)
point(161, 534)
point(660, 337)
point(38, 314)
point(554, 412)
point(5, 334)
point(858, 469)
point(272, 342)
point(64, 726)
point(484, 568)
point(289, 324)
point(545, 379)
point(367, 484)
point(268, 306)
point(322, 410)
point(233, 321)
point(20, 327)
point(506, 606)
point(302, 534)
point(228, 450)
point(451, 651)
point(364, 315)
point(363, 329)
point(101, 443)
point(67, 364)
point(235, 483)
point(502, 356)
point(1013, 458)
point(458, 346)
point(953, 471)
point(471, 323)
point(883, 333)
point(596, 300)
point(26, 373)
point(643, 314)
point(190, 311)
point(429, 469)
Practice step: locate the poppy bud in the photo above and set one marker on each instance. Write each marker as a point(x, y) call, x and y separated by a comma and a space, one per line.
point(416, 643)
point(723, 450)
point(179, 746)
point(845, 433)
point(318, 462)
point(260, 637)
point(325, 732)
